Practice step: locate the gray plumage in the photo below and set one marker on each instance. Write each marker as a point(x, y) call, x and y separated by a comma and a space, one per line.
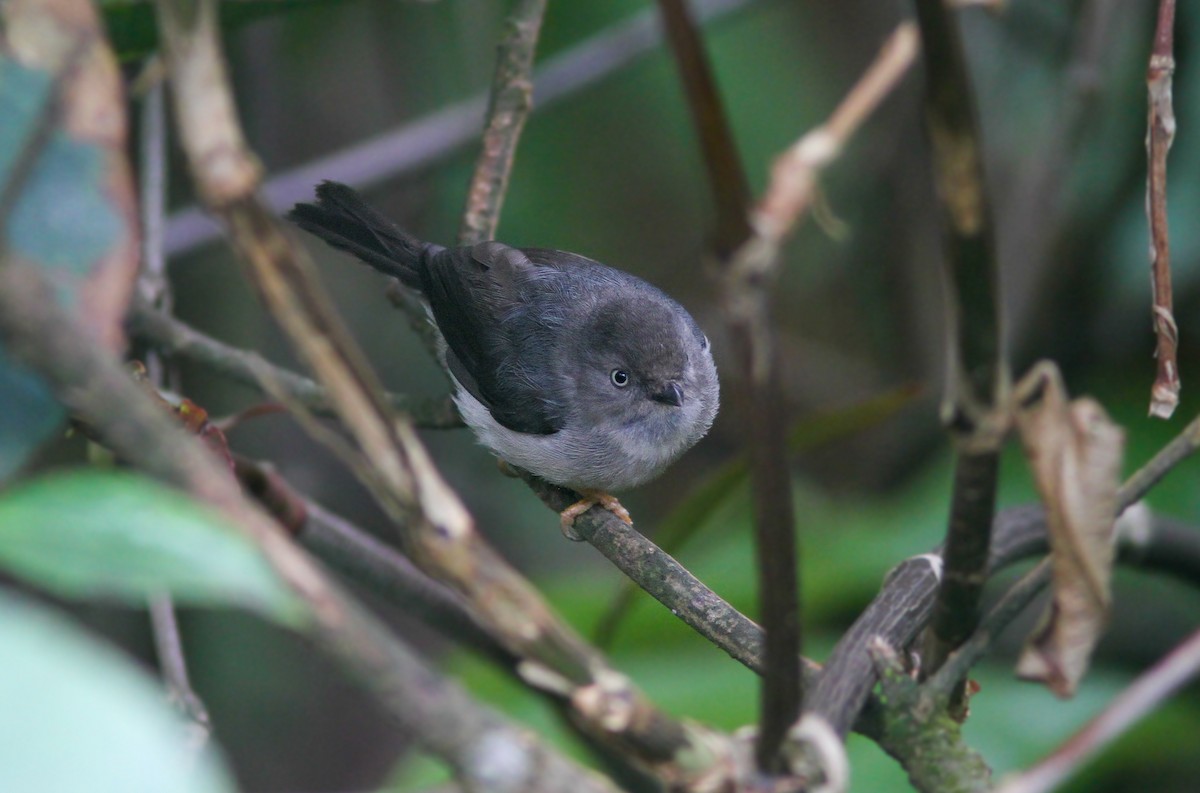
point(581, 374)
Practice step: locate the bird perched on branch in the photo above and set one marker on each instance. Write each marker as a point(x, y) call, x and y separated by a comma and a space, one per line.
point(583, 375)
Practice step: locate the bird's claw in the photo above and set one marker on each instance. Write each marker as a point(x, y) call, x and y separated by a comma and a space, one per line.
point(589, 500)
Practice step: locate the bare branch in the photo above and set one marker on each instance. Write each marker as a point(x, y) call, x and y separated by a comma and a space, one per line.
point(726, 176)
point(1160, 132)
point(168, 644)
point(977, 376)
point(750, 252)
point(174, 337)
point(509, 103)
point(770, 478)
point(154, 287)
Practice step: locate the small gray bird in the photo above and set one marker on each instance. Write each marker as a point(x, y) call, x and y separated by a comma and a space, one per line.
point(584, 375)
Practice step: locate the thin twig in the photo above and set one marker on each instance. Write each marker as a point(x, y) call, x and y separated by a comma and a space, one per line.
point(174, 337)
point(429, 140)
point(1131, 705)
point(1031, 220)
point(1160, 132)
point(1008, 608)
point(1182, 446)
point(977, 376)
point(509, 103)
point(168, 643)
point(154, 287)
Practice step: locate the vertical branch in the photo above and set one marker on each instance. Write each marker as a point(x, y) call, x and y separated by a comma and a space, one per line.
point(1160, 132)
point(977, 374)
point(154, 287)
point(509, 105)
point(747, 309)
point(168, 645)
point(727, 177)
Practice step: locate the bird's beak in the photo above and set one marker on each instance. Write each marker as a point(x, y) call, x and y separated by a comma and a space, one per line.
point(669, 394)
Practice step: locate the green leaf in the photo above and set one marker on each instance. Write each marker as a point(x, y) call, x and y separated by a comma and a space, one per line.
point(79, 716)
point(117, 534)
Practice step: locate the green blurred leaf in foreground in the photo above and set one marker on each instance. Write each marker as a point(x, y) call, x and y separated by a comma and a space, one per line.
point(79, 717)
point(117, 534)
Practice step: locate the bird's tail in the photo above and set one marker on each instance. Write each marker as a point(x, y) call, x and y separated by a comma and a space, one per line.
point(344, 220)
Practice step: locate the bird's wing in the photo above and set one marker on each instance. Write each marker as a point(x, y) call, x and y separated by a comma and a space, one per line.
point(487, 303)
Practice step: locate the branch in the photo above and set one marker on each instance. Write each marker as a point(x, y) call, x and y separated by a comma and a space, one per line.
point(1160, 132)
point(168, 645)
point(750, 252)
point(904, 605)
point(726, 176)
point(437, 530)
point(174, 337)
point(154, 287)
point(368, 562)
point(1131, 705)
point(748, 318)
point(978, 377)
point(509, 103)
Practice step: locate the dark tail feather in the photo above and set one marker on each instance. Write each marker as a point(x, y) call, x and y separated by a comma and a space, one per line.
point(345, 221)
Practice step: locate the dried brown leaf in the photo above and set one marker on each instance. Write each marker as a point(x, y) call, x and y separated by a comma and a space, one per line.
point(1075, 452)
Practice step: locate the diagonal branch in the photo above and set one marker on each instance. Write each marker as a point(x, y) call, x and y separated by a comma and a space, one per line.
point(95, 387)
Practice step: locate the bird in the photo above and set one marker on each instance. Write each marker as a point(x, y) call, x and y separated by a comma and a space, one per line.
point(579, 373)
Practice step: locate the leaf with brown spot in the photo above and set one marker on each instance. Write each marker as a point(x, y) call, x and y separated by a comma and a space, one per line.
point(1075, 452)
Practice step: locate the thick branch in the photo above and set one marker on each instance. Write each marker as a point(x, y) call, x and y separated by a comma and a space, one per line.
point(977, 375)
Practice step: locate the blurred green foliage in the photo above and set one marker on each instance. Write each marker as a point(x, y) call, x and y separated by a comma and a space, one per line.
point(614, 172)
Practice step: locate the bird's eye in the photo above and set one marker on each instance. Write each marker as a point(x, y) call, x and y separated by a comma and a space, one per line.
point(619, 377)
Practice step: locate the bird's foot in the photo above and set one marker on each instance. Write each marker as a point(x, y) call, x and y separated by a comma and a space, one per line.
point(589, 500)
